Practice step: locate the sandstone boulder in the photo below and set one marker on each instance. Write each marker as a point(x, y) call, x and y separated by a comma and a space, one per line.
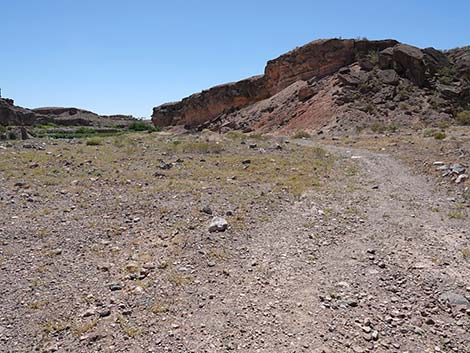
point(306, 92)
point(408, 61)
point(434, 60)
point(353, 78)
point(389, 77)
point(386, 59)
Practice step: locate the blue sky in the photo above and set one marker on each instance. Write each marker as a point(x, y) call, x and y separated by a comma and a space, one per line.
point(114, 56)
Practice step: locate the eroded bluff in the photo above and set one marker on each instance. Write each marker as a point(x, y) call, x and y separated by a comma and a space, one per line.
point(316, 59)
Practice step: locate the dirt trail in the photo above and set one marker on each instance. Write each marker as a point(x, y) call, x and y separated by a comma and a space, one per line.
point(356, 270)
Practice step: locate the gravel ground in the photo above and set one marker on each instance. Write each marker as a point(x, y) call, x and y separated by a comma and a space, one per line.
point(107, 248)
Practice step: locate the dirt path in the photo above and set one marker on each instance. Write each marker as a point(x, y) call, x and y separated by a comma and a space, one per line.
point(351, 270)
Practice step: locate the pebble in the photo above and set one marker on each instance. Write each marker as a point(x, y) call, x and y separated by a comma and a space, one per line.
point(207, 210)
point(115, 286)
point(218, 224)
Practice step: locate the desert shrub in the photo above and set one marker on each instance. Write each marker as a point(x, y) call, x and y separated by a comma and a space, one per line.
point(392, 127)
point(3, 129)
point(374, 57)
point(12, 135)
point(359, 129)
point(95, 141)
point(446, 75)
point(463, 118)
point(301, 134)
point(379, 127)
point(443, 124)
point(234, 135)
point(142, 126)
point(439, 135)
point(47, 126)
point(404, 106)
point(257, 136)
point(85, 131)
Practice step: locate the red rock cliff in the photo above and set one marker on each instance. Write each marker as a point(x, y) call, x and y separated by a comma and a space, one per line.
point(316, 59)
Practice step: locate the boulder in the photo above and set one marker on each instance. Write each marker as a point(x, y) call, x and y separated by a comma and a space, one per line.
point(449, 91)
point(353, 78)
point(366, 64)
point(389, 77)
point(386, 59)
point(434, 60)
point(408, 60)
point(305, 93)
point(460, 59)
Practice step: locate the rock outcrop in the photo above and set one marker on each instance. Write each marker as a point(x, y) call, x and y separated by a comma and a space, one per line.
point(316, 59)
point(200, 107)
point(10, 114)
point(334, 83)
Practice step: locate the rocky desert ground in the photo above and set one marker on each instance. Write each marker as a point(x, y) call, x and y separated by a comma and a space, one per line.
point(322, 207)
point(353, 244)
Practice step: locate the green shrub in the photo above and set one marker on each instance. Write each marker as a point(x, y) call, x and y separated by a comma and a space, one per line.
point(47, 126)
point(440, 135)
point(446, 75)
point(379, 127)
point(443, 124)
point(463, 118)
point(95, 141)
point(85, 131)
point(374, 57)
point(3, 129)
point(12, 135)
point(142, 126)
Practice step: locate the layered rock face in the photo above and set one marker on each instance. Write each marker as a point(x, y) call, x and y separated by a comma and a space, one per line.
point(316, 59)
point(208, 104)
point(13, 115)
point(10, 114)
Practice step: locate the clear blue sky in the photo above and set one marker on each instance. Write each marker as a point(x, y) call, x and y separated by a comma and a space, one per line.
point(114, 56)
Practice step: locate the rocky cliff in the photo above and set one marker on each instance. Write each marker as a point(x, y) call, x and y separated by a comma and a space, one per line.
point(328, 82)
point(10, 114)
point(13, 115)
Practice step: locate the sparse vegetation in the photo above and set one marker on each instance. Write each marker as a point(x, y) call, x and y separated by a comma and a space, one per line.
point(159, 308)
point(439, 135)
point(142, 126)
point(463, 118)
point(456, 215)
point(198, 146)
point(446, 75)
point(379, 127)
point(83, 328)
point(374, 57)
point(301, 134)
point(95, 141)
point(129, 330)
